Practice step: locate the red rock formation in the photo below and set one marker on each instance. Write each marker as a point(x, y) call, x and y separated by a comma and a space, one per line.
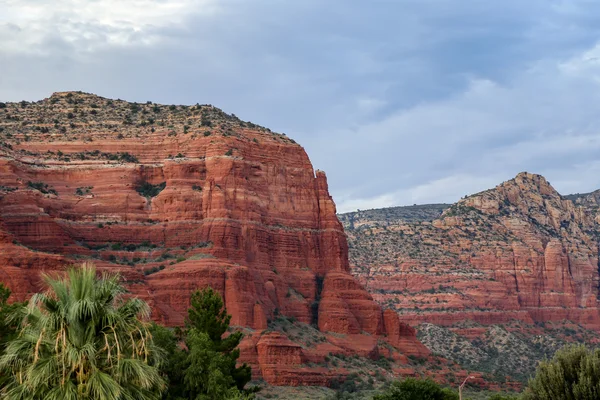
point(519, 251)
point(402, 336)
point(176, 199)
point(281, 363)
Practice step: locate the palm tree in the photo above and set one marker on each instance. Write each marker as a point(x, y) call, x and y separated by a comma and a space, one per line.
point(82, 340)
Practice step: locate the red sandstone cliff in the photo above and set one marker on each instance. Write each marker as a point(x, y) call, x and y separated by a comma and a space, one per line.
point(177, 198)
point(519, 251)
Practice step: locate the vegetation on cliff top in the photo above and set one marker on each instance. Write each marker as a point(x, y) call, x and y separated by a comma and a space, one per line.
point(78, 116)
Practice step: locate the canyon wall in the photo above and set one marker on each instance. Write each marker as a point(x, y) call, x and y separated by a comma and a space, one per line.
point(176, 198)
point(520, 251)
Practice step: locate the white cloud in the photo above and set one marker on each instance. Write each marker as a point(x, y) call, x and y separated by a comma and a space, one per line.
point(544, 120)
point(399, 102)
point(25, 26)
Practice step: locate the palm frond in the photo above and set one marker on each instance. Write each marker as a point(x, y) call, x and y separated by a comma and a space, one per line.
point(82, 339)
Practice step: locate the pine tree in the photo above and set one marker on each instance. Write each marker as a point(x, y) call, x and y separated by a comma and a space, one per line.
point(208, 315)
point(206, 368)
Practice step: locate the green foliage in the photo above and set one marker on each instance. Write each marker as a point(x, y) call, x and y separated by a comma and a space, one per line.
point(170, 369)
point(206, 369)
point(154, 270)
point(499, 396)
point(7, 326)
point(148, 190)
point(573, 374)
point(415, 389)
point(126, 157)
point(82, 191)
point(210, 373)
point(82, 340)
point(208, 314)
point(351, 387)
point(42, 187)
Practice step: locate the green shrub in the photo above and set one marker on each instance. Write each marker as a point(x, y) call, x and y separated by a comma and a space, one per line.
point(416, 389)
point(42, 187)
point(82, 191)
point(153, 270)
point(499, 396)
point(573, 374)
point(7, 327)
point(148, 190)
point(126, 157)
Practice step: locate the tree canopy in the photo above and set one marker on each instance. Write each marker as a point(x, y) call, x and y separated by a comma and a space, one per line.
point(573, 374)
point(204, 368)
point(82, 339)
point(416, 389)
point(7, 323)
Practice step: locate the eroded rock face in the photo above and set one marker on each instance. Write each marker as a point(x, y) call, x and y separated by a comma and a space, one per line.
point(519, 251)
point(175, 199)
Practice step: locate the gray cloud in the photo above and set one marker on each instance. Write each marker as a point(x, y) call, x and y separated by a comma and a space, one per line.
point(400, 102)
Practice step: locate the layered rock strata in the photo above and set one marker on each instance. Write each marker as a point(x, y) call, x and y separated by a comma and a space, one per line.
point(520, 251)
point(176, 198)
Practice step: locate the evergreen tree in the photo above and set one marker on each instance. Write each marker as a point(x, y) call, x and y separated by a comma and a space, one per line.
point(208, 374)
point(173, 366)
point(205, 369)
point(208, 315)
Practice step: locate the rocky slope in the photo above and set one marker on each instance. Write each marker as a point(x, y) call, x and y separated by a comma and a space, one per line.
point(520, 252)
point(384, 217)
point(179, 197)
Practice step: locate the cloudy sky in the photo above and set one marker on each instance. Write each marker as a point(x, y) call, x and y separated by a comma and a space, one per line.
point(399, 101)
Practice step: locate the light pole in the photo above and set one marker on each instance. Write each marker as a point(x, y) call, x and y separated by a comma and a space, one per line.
point(463, 384)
